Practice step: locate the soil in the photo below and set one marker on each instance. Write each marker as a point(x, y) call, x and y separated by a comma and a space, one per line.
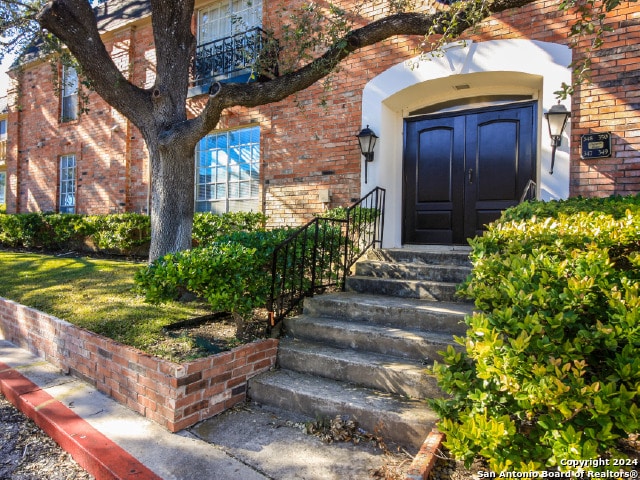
point(208, 335)
point(27, 453)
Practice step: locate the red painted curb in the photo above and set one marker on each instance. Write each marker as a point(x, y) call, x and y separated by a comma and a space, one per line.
point(425, 460)
point(93, 451)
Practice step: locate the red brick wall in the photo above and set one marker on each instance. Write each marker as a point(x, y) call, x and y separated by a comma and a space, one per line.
point(111, 159)
point(306, 146)
point(173, 395)
point(609, 103)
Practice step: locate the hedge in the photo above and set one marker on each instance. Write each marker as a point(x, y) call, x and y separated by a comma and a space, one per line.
point(549, 370)
point(126, 233)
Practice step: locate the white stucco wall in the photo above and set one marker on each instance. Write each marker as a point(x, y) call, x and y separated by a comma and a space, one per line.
point(514, 67)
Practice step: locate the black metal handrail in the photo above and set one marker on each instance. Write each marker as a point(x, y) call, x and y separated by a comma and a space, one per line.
point(529, 192)
point(320, 254)
point(224, 57)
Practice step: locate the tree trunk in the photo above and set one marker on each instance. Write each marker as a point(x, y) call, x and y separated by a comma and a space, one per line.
point(172, 201)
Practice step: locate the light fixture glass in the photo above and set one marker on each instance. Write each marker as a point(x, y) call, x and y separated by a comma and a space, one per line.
point(557, 117)
point(367, 141)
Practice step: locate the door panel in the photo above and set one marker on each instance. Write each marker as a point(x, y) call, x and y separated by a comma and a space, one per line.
point(461, 171)
point(433, 169)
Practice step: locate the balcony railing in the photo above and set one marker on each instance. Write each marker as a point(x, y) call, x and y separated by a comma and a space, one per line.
point(231, 56)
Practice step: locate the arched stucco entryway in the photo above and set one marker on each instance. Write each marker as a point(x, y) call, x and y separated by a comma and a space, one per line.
point(522, 68)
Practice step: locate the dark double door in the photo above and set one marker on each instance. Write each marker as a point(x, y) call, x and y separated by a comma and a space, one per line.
point(462, 170)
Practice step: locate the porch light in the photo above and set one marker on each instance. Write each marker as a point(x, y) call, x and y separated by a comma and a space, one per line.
point(557, 117)
point(367, 141)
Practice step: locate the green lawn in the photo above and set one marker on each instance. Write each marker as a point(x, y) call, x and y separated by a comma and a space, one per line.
point(96, 294)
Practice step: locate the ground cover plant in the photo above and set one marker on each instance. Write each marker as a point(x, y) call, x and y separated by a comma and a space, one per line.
point(549, 372)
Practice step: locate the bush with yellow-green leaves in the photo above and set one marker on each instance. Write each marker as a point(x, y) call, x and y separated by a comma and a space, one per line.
point(550, 366)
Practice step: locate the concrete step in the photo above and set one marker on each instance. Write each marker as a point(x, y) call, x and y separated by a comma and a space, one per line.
point(417, 314)
point(413, 271)
point(403, 421)
point(427, 254)
point(382, 372)
point(428, 290)
point(414, 344)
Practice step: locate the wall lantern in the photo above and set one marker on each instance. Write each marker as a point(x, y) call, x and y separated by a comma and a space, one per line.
point(367, 140)
point(557, 117)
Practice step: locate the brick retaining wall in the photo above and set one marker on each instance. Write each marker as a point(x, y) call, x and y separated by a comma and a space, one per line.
point(171, 394)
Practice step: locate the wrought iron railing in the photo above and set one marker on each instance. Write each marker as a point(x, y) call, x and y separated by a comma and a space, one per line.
point(529, 192)
point(320, 254)
point(232, 55)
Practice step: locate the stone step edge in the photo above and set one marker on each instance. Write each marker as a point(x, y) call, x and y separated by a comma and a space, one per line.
point(361, 327)
point(395, 406)
point(406, 368)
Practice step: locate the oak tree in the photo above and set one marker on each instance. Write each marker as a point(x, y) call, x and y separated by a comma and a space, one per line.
point(160, 112)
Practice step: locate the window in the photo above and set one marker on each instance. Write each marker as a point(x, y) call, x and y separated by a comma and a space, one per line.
point(3, 187)
point(69, 110)
point(228, 171)
point(223, 19)
point(67, 184)
point(3, 141)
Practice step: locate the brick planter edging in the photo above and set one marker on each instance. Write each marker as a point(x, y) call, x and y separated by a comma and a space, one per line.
point(425, 460)
point(173, 395)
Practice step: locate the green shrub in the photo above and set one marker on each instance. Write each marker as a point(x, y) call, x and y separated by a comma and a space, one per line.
point(550, 369)
point(117, 233)
point(207, 227)
point(38, 230)
point(125, 233)
point(232, 274)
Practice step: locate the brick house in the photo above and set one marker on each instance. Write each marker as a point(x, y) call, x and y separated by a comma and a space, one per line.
point(461, 136)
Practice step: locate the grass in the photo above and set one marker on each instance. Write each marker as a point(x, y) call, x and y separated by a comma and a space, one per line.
point(95, 294)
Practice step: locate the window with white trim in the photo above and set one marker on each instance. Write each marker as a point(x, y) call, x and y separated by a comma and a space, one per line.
point(228, 171)
point(69, 94)
point(222, 19)
point(3, 187)
point(67, 184)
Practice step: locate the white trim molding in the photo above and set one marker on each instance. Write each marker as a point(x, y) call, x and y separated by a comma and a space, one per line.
point(465, 70)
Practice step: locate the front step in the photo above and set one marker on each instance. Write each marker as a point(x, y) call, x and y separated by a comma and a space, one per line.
point(427, 254)
point(427, 290)
point(403, 421)
point(363, 353)
point(413, 271)
point(416, 314)
point(414, 344)
point(382, 372)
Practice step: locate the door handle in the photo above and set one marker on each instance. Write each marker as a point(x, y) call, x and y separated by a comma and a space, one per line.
point(471, 175)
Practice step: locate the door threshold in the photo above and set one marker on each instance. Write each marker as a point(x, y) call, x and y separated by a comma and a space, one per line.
point(436, 248)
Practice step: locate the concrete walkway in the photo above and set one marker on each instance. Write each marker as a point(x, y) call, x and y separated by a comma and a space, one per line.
point(112, 442)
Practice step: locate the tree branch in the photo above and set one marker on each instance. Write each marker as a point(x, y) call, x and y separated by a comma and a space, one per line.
point(74, 23)
point(260, 93)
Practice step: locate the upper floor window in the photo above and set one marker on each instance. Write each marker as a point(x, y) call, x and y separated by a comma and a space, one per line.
point(67, 184)
point(229, 41)
point(228, 171)
point(3, 187)
point(223, 19)
point(3, 141)
point(69, 93)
